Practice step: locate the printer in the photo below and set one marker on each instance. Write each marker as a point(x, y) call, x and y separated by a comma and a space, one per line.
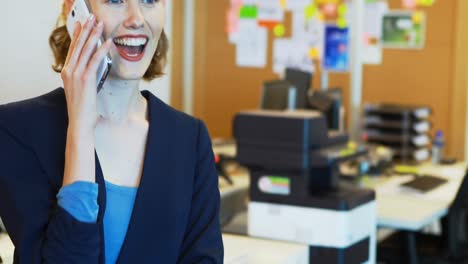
point(295, 194)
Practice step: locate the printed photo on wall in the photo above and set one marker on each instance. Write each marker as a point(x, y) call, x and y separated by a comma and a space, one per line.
point(404, 30)
point(336, 57)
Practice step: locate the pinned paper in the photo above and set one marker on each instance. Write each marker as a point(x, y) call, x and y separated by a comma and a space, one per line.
point(373, 16)
point(279, 30)
point(269, 17)
point(297, 4)
point(251, 44)
point(291, 53)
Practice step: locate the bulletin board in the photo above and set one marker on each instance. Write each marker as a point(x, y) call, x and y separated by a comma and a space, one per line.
point(405, 76)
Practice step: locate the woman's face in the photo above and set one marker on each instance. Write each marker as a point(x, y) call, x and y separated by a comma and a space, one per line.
point(135, 27)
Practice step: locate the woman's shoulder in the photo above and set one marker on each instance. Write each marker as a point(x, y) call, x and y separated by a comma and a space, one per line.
point(30, 115)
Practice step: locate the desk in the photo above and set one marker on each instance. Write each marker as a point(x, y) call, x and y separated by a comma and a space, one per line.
point(244, 250)
point(403, 210)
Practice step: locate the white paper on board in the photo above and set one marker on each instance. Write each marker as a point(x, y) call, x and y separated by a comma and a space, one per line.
point(252, 44)
point(297, 4)
point(270, 14)
point(291, 53)
point(311, 31)
point(268, 4)
point(373, 15)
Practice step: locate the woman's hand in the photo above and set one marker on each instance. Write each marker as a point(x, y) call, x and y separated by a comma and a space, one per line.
point(79, 76)
point(79, 79)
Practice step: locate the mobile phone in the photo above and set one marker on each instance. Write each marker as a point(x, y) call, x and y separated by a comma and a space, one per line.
point(80, 12)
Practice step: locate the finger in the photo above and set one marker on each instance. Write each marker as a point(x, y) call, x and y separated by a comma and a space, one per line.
point(98, 56)
point(90, 47)
point(82, 38)
point(76, 32)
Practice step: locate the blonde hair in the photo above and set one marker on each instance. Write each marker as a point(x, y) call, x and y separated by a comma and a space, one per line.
point(59, 42)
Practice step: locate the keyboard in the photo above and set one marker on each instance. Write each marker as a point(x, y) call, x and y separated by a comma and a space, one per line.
point(424, 183)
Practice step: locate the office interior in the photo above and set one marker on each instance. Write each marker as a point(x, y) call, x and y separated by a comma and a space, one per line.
point(359, 165)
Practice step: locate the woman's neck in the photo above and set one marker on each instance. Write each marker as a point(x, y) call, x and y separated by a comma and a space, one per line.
point(121, 100)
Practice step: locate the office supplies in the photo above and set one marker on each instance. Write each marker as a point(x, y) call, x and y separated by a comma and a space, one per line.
point(403, 128)
point(424, 183)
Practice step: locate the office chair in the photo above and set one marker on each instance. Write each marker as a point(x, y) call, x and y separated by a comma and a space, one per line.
point(450, 247)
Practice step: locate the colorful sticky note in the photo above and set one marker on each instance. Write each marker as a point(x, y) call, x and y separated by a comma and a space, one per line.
point(426, 2)
point(248, 12)
point(279, 30)
point(418, 17)
point(342, 9)
point(232, 21)
point(314, 53)
point(409, 4)
point(283, 3)
point(310, 11)
point(342, 22)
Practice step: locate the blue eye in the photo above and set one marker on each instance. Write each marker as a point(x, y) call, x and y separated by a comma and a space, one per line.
point(150, 2)
point(114, 1)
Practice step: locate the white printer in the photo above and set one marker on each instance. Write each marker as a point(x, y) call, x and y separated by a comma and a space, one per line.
point(295, 194)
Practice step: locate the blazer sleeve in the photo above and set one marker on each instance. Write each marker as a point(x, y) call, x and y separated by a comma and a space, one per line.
point(203, 242)
point(41, 231)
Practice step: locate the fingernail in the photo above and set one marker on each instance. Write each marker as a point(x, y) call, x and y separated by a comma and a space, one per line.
point(91, 17)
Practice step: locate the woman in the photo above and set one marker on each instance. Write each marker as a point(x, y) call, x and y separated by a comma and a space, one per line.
point(117, 176)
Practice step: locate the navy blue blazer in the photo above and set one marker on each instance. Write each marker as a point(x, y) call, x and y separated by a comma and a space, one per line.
point(176, 213)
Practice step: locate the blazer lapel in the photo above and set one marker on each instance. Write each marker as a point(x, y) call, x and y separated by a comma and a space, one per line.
point(152, 224)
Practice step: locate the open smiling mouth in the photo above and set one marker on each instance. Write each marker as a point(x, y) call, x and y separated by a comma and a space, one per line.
point(131, 48)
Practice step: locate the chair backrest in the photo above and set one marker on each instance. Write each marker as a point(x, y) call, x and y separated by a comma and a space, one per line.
point(457, 235)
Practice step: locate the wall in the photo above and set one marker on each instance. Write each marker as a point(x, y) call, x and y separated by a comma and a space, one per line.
point(406, 76)
point(25, 67)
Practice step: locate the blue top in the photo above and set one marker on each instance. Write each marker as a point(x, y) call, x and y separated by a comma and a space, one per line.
point(80, 200)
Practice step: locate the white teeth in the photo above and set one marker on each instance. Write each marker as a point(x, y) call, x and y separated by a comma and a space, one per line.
point(130, 41)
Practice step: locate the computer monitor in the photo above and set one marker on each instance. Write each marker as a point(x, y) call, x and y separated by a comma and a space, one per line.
point(301, 80)
point(278, 95)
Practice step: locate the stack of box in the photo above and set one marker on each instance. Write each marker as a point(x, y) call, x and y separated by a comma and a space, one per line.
point(294, 191)
point(405, 129)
